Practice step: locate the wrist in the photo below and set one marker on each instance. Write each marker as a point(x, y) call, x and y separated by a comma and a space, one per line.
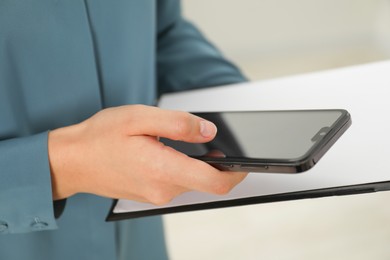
point(63, 151)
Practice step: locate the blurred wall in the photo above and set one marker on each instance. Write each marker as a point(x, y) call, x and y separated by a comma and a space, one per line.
point(270, 38)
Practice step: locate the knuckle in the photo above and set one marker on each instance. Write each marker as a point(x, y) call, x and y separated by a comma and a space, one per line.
point(184, 125)
point(222, 188)
point(133, 112)
point(160, 197)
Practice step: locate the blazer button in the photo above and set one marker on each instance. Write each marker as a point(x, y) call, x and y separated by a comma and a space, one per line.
point(38, 224)
point(3, 227)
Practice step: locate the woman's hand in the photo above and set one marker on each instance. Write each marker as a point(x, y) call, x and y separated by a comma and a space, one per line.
point(116, 154)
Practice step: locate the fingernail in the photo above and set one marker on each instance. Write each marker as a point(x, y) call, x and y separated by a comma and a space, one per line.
point(207, 129)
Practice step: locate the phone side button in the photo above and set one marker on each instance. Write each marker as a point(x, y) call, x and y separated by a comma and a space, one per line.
point(254, 167)
point(223, 167)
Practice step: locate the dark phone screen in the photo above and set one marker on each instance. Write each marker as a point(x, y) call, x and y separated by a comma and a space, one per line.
point(284, 135)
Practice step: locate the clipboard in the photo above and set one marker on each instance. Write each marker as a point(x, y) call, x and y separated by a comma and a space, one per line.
point(356, 164)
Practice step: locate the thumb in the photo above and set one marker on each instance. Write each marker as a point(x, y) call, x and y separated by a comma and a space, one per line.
point(175, 125)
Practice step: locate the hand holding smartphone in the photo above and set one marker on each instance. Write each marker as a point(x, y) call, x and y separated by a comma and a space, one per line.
point(289, 141)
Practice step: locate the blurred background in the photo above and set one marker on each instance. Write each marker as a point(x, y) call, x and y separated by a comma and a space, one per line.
point(277, 38)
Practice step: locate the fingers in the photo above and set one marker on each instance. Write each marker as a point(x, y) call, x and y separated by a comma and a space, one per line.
point(197, 175)
point(175, 125)
point(165, 173)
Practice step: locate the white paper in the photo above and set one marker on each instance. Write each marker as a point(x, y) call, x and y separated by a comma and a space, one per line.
point(360, 156)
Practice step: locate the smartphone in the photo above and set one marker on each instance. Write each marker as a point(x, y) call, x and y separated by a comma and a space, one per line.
point(288, 141)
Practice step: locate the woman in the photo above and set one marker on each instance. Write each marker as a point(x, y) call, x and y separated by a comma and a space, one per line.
point(69, 74)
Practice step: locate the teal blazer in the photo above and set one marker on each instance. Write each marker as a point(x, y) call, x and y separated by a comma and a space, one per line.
point(61, 61)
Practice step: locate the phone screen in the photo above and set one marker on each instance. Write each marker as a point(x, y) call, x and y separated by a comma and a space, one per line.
point(270, 134)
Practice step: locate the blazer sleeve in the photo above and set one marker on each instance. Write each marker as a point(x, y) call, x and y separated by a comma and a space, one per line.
point(26, 202)
point(185, 59)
